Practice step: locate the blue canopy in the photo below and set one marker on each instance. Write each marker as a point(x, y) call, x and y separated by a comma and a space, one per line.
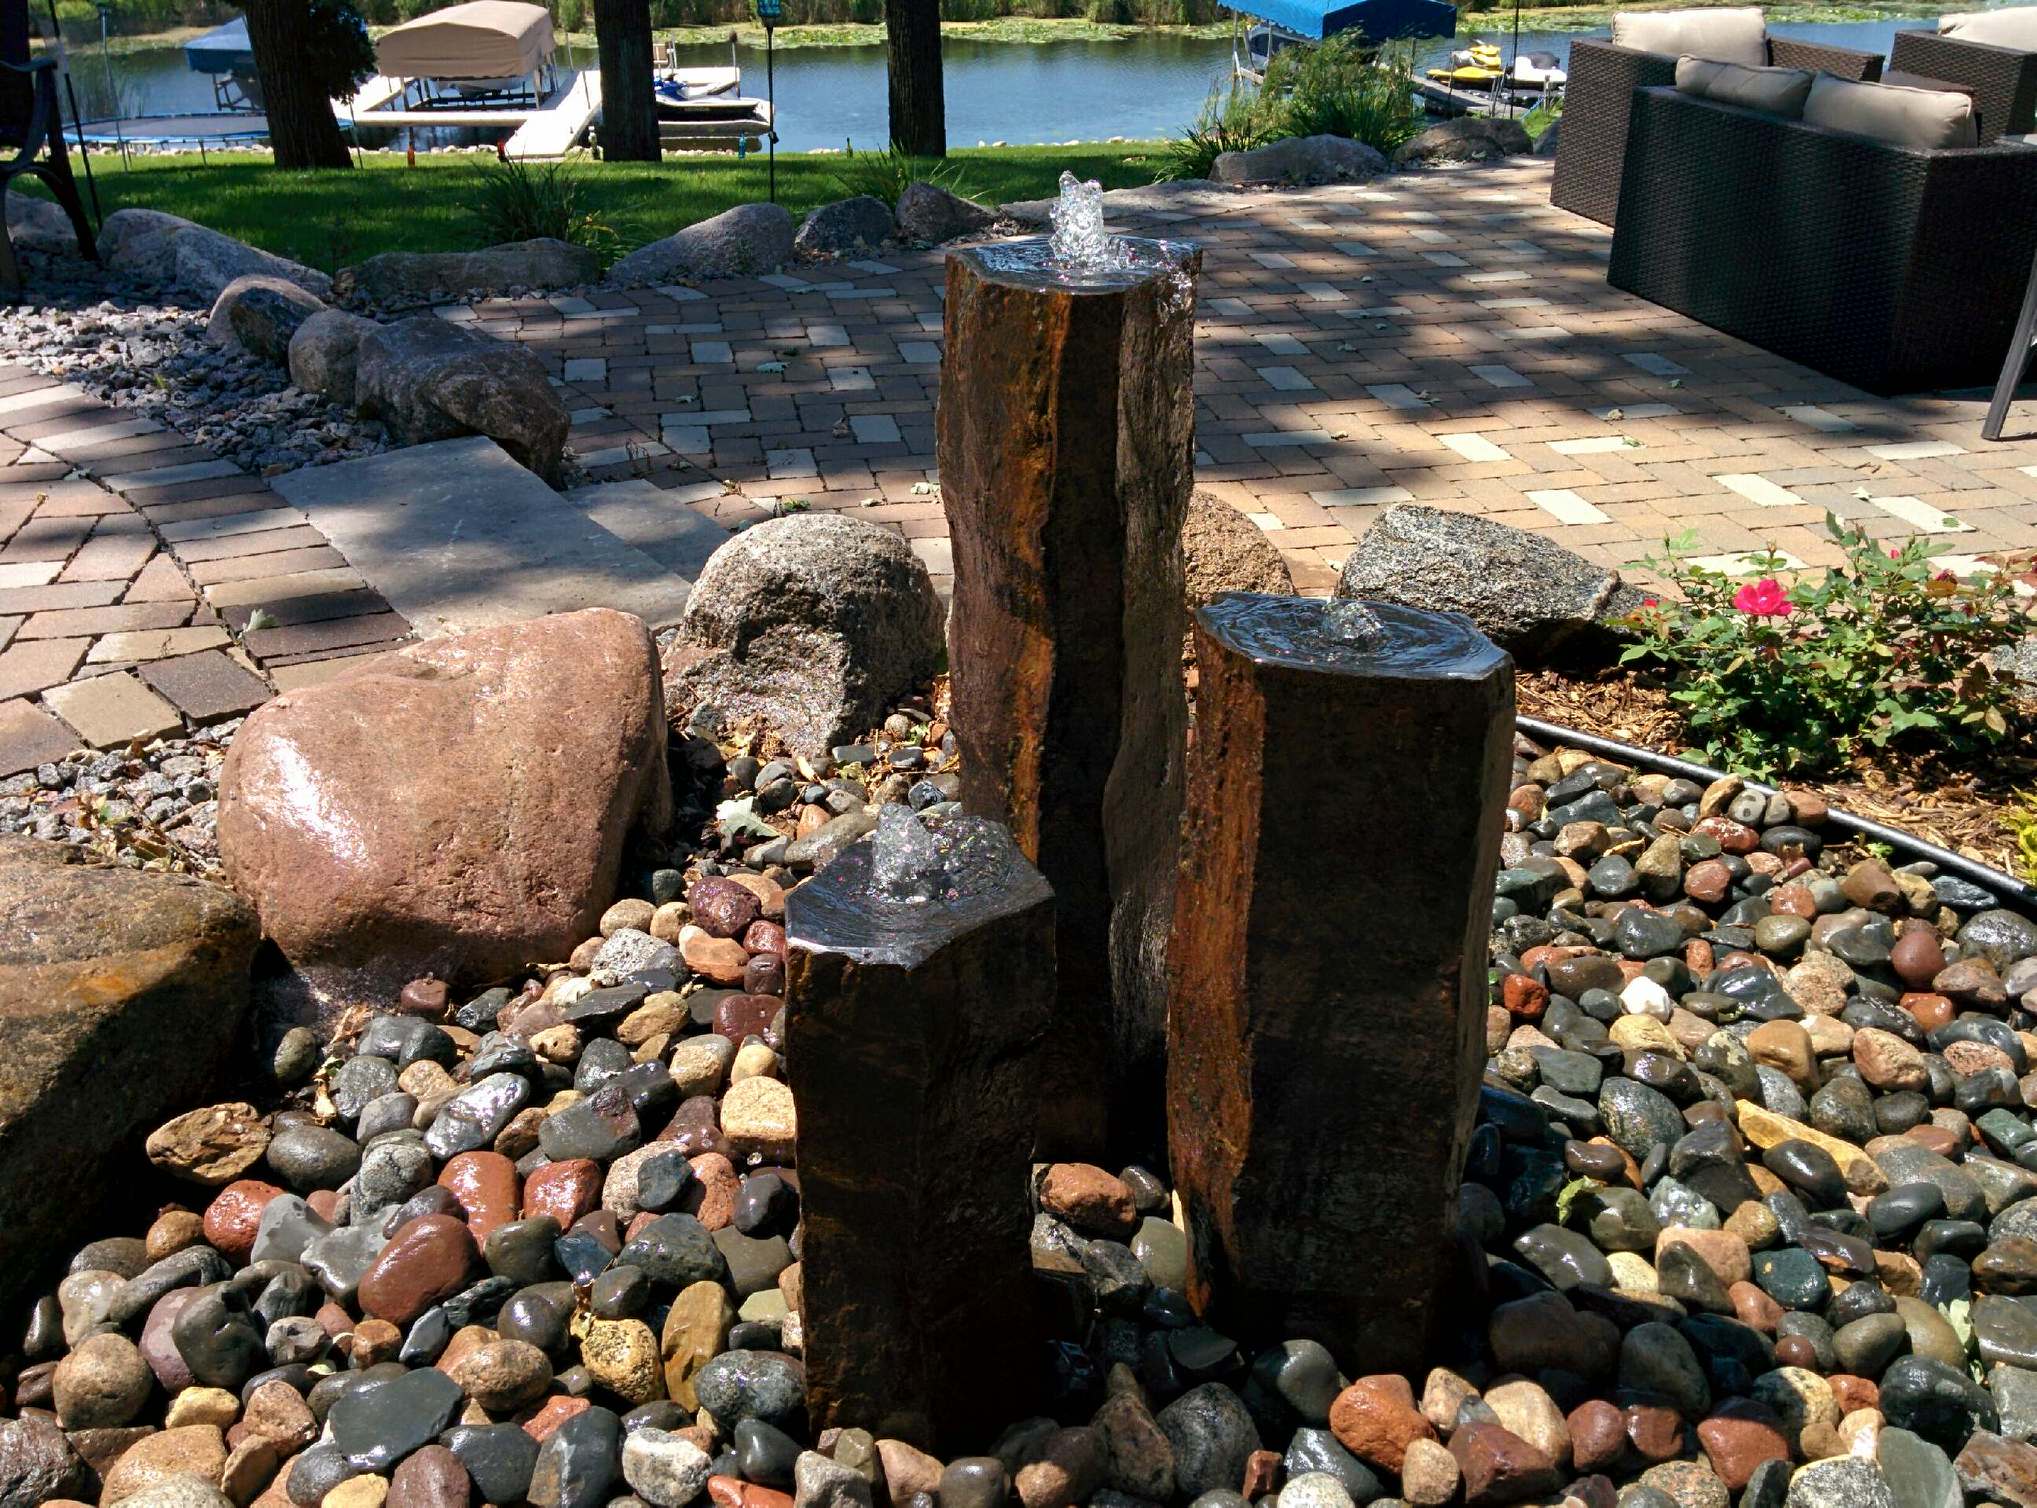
point(224, 49)
point(1376, 20)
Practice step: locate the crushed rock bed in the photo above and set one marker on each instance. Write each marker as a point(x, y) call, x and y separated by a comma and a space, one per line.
point(153, 809)
point(143, 348)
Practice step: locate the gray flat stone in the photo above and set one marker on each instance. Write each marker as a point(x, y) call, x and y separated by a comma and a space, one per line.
point(655, 520)
point(456, 535)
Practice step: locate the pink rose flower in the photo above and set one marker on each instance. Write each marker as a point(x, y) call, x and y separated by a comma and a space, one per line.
point(1763, 599)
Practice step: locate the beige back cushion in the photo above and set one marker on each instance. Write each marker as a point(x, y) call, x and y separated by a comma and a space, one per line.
point(1725, 34)
point(2015, 27)
point(1902, 117)
point(1780, 91)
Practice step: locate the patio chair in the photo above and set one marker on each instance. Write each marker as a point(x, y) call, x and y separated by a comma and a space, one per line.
point(32, 127)
point(1851, 255)
point(1992, 55)
point(1604, 75)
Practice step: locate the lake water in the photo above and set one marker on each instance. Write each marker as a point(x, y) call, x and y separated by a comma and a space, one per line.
point(1142, 88)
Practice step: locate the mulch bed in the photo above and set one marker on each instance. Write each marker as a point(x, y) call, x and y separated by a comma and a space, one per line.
point(1957, 804)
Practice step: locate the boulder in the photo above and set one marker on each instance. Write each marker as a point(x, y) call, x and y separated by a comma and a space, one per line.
point(122, 996)
point(1224, 551)
point(429, 380)
point(930, 215)
point(36, 224)
point(325, 352)
point(1546, 143)
point(1300, 160)
point(259, 314)
point(163, 248)
point(457, 808)
point(1469, 138)
point(410, 276)
point(740, 242)
point(848, 227)
point(814, 623)
point(1525, 592)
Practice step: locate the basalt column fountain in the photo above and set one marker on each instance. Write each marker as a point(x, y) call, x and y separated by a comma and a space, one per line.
point(1066, 451)
point(1328, 962)
point(919, 981)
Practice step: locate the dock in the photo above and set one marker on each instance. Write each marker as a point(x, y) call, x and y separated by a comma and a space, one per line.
point(551, 130)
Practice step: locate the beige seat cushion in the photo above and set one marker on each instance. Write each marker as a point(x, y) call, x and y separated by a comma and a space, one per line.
point(1724, 34)
point(2014, 27)
point(1780, 91)
point(1927, 118)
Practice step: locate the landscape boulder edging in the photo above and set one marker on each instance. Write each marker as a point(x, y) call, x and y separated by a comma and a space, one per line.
point(542, 262)
point(1299, 160)
point(260, 315)
point(430, 380)
point(746, 241)
point(168, 249)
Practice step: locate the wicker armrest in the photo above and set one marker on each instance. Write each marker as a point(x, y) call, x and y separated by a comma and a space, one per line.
point(2003, 80)
point(1788, 52)
point(1596, 101)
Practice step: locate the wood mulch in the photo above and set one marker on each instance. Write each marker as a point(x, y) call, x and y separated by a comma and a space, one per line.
point(1953, 803)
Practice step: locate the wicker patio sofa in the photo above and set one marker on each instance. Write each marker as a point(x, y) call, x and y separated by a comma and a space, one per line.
point(1850, 255)
point(2002, 80)
point(1603, 78)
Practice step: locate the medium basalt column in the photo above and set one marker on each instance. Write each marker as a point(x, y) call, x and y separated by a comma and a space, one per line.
point(914, 1018)
point(1066, 451)
point(1325, 1036)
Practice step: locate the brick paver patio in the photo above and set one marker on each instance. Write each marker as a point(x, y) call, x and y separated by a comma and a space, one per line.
point(1447, 338)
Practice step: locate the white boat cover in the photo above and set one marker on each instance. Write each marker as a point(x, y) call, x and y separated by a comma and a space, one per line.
point(482, 39)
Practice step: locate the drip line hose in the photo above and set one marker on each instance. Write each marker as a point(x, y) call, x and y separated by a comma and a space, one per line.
point(2007, 886)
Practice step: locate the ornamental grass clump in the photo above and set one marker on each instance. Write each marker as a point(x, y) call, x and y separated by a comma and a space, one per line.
point(1797, 677)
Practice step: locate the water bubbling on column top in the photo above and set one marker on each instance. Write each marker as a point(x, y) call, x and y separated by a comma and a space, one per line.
point(1347, 635)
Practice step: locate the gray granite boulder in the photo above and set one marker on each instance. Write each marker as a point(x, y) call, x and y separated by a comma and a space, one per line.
point(1526, 593)
point(814, 623)
point(325, 352)
point(929, 215)
point(35, 224)
point(430, 380)
point(412, 276)
point(1301, 160)
point(741, 242)
point(1546, 144)
point(259, 314)
point(163, 248)
point(1469, 138)
point(847, 228)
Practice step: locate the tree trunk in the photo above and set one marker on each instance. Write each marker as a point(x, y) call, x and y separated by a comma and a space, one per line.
point(919, 114)
point(302, 128)
point(629, 117)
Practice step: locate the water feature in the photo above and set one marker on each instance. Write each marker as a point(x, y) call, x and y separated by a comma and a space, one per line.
point(1145, 87)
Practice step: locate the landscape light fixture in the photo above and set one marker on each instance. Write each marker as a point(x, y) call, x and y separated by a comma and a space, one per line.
point(768, 12)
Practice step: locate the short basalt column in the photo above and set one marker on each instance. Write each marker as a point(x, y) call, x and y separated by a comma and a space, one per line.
point(1066, 451)
point(1345, 803)
point(919, 976)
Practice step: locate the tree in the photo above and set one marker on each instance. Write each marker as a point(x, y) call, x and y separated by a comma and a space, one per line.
point(629, 115)
point(307, 54)
point(919, 113)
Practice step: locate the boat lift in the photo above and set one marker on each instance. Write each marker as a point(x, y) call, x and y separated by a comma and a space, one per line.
point(1264, 27)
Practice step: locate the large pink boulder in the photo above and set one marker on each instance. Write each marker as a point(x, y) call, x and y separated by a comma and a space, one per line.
point(458, 807)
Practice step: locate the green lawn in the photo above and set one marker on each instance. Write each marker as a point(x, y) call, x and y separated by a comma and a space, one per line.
point(332, 219)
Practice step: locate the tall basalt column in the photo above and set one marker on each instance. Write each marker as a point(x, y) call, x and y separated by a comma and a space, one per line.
point(1066, 450)
point(1325, 1036)
point(919, 976)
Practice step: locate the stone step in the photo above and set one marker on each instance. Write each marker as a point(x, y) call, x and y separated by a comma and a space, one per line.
point(656, 520)
point(456, 535)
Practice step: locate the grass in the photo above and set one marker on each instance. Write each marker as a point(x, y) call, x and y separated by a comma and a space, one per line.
point(333, 219)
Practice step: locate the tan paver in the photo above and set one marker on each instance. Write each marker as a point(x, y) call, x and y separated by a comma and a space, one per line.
point(113, 709)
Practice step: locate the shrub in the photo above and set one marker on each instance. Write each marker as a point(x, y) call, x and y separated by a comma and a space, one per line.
point(521, 201)
point(1336, 89)
point(887, 174)
point(1801, 677)
point(1231, 120)
point(2021, 822)
point(336, 41)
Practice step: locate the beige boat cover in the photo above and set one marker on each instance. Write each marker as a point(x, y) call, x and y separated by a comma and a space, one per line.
point(482, 39)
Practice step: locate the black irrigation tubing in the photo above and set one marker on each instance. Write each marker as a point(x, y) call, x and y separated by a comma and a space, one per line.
point(2004, 885)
